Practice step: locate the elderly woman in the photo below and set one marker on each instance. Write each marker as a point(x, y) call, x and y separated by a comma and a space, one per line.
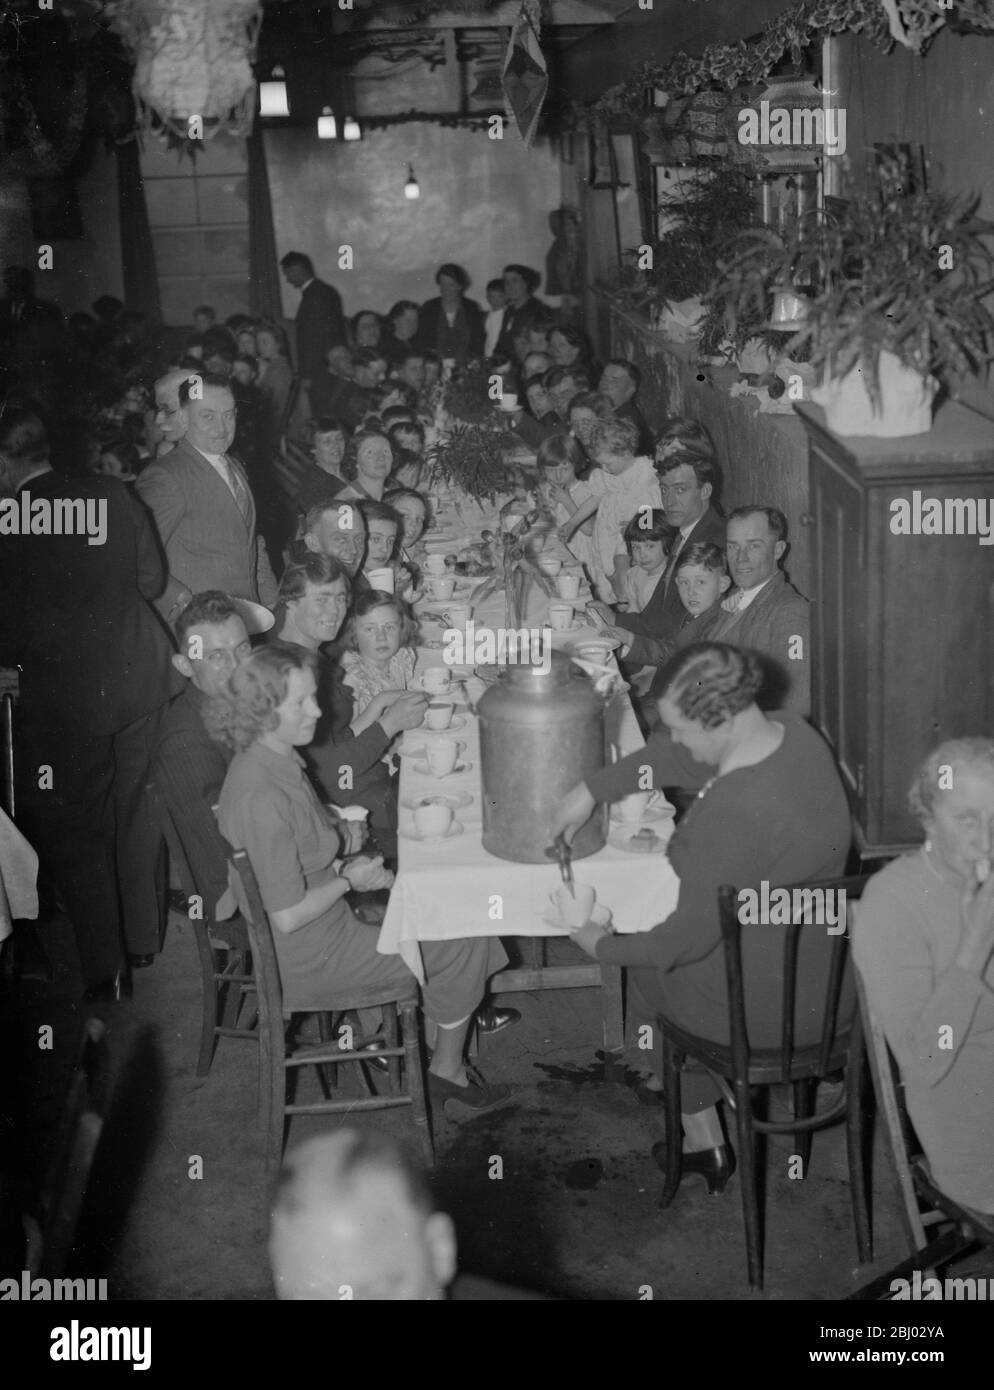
point(269, 808)
point(923, 941)
point(774, 810)
point(368, 463)
point(452, 326)
point(345, 757)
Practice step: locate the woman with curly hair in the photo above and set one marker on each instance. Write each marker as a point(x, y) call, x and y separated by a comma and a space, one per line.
point(269, 808)
point(774, 810)
point(368, 462)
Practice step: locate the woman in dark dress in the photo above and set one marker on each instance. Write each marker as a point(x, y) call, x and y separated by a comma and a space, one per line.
point(452, 325)
point(774, 810)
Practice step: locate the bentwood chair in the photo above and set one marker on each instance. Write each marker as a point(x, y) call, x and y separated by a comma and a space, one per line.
point(746, 1073)
point(281, 1057)
point(923, 1203)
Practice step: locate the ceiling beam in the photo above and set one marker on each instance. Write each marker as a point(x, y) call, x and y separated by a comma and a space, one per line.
point(582, 13)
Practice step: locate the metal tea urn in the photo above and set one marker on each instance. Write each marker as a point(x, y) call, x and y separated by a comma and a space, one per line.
point(541, 732)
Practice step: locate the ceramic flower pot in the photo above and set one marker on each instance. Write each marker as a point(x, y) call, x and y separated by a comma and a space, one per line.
point(905, 401)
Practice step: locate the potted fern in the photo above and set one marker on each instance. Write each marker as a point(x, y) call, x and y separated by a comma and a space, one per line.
point(895, 285)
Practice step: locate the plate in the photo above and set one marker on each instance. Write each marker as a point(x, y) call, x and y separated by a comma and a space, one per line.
point(456, 801)
point(608, 644)
point(457, 723)
point(620, 838)
point(599, 917)
point(425, 771)
point(648, 817)
point(454, 830)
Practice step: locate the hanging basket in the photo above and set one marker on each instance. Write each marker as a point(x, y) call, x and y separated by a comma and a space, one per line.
point(905, 401)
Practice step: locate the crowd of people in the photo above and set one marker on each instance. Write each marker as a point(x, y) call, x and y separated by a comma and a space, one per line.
point(229, 641)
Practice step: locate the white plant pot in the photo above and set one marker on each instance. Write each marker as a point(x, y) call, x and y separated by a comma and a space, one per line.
point(681, 322)
point(905, 401)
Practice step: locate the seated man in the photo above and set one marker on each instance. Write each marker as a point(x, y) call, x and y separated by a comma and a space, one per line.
point(353, 400)
point(336, 530)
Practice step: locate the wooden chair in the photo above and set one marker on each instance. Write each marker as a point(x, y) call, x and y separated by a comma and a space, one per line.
point(745, 1069)
point(226, 972)
point(962, 1229)
point(50, 1240)
point(278, 1055)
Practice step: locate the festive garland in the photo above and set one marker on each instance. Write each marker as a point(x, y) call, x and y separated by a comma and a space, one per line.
point(745, 64)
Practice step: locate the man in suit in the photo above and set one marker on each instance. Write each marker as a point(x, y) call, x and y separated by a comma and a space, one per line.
point(320, 323)
point(203, 507)
point(95, 679)
point(686, 487)
point(620, 381)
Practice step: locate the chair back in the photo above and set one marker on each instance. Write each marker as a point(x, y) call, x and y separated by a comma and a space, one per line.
point(836, 1022)
point(7, 740)
point(245, 887)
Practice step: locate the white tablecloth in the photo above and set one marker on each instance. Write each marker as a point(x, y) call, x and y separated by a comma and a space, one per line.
point(455, 888)
point(18, 877)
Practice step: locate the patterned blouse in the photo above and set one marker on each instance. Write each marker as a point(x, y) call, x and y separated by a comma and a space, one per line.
point(365, 680)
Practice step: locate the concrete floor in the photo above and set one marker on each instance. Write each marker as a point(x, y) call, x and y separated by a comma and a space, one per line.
point(574, 1215)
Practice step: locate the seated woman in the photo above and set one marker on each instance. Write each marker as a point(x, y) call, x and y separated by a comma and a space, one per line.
point(923, 940)
point(346, 752)
point(563, 468)
point(412, 508)
point(383, 526)
point(321, 478)
point(774, 810)
point(368, 463)
point(269, 808)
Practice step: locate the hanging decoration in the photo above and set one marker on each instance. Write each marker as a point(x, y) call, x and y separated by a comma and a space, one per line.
point(526, 79)
point(912, 23)
point(191, 60)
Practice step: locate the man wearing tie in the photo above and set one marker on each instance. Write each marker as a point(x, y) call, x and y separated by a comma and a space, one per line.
point(320, 323)
point(202, 505)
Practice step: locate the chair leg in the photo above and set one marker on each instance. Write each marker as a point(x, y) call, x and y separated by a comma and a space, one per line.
point(672, 1062)
point(272, 1091)
point(414, 1066)
point(856, 1150)
point(390, 1033)
point(326, 1031)
point(804, 1106)
point(748, 1174)
point(210, 1013)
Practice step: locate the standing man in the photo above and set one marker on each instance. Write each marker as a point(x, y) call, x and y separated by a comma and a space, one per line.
point(96, 677)
point(320, 323)
point(203, 507)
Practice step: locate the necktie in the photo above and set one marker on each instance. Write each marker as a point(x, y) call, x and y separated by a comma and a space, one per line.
point(238, 488)
point(671, 562)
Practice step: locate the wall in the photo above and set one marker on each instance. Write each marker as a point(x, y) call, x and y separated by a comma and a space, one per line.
point(483, 203)
point(82, 269)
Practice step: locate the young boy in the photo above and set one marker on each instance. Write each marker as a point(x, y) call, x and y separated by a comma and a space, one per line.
point(494, 320)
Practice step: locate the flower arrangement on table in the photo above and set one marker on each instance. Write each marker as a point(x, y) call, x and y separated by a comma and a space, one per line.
point(473, 457)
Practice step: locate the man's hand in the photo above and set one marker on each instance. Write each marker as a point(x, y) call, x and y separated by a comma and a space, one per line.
point(406, 712)
point(977, 916)
point(574, 810)
point(603, 611)
point(367, 875)
point(10, 681)
point(587, 937)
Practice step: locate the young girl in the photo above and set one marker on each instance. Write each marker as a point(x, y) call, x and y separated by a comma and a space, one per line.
point(647, 551)
point(378, 642)
point(412, 508)
point(563, 467)
point(622, 485)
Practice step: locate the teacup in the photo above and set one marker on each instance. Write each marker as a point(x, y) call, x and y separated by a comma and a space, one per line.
point(356, 813)
point(381, 579)
point(436, 680)
point(634, 807)
point(509, 402)
point(574, 910)
point(432, 819)
point(457, 615)
point(568, 585)
point(441, 755)
point(440, 586)
point(435, 564)
point(561, 616)
point(438, 715)
point(550, 565)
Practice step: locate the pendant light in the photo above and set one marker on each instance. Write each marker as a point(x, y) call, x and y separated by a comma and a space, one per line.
point(327, 125)
point(412, 189)
point(351, 130)
point(272, 95)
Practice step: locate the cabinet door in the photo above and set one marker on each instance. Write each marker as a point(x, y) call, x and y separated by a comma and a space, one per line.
point(839, 617)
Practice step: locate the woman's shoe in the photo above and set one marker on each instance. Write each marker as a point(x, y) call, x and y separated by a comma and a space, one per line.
point(477, 1096)
point(715, 1166)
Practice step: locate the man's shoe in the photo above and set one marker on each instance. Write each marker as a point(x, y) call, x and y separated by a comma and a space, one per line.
point(476, 1097)
point(140, 962)
point(490, 1019)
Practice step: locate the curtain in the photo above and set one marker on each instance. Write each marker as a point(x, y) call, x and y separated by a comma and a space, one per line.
point(264, 278)
point(141, 283)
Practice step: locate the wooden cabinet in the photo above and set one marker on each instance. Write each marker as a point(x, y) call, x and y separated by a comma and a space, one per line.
point(903, 604)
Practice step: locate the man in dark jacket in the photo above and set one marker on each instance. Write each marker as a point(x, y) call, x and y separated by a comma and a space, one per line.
point(320, 323)
point(74, 615)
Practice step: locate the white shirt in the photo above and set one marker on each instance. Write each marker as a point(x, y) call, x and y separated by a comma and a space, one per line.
point(222, 468)
point(740, 601)
point(494, 324)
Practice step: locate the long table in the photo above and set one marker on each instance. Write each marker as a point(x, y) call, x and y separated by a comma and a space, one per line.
point(452, 888)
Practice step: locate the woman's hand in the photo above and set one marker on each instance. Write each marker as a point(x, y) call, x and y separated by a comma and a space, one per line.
point(406, 712)
point(366, 875)
point(565, 532)
point(352, 834)
point(977, 916)
point(574, 810)
point(587, 937)
point(380, 703)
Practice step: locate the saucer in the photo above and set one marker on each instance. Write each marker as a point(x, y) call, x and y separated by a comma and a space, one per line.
point(457, 722)
point(573, 627)
point(600, 916)
point(620, 838)
point(425, 771)
point(455, 801)
point(414, 833)
point(648, 817)
point(608, 644)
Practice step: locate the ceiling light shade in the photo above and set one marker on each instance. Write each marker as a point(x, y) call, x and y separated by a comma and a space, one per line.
point(272, 95)
point(191, 60)
point(412, 189)
point(351, 129)
point(327, 125)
